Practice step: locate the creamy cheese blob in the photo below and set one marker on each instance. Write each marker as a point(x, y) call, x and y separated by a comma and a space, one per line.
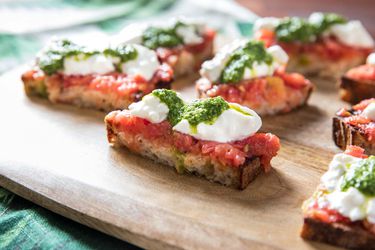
point(189, 35)
point(213, 68)
point(369, 111)
point(145, 64)
point(337, 169)
point(150, 108)
point(266, 23)
point(83, 65)
point(371, 59)
point(352, 34)
point(231, 125)
point(350, 203)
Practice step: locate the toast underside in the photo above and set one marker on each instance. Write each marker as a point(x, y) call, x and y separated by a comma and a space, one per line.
point(338, 234)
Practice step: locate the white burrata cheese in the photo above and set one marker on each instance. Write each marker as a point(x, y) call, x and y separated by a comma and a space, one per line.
point(266, 23)
point(352, 33)
point(369, 111)
point(83, 65)
point(337, 168)
point(230, 126)
point(145, 64)
point(213, 68)
point(189, 34)
point(371, 59)
point(150, 108)
point(350, 203)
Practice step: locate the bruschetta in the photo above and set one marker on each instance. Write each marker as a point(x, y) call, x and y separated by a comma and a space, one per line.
point(341, 212)
point(325, 44)
point(356, 126)
point(359, 83)
point(207, 137)
point(247, 73)
point(182, 43)
point(109, 79)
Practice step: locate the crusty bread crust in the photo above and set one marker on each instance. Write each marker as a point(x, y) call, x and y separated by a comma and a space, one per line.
point(338, 234)
point(198, 164)
point(344, 134)
point(312, 65)
point(355, 91)
point(185, 62)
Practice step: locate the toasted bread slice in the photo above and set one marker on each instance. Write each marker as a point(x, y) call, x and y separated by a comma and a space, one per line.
point(314, 65)
point(101, 92)
point(354, 91)
point(345, 134)
point(339, 234)
point(162, 148)
point(184, 61)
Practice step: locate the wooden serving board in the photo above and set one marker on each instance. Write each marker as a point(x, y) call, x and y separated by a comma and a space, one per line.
point(58, 157)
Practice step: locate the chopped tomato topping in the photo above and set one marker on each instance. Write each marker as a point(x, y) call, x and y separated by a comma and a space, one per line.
point(327, 47)
point(363, 72)
point(327, 215)
point(357, 120)
point(355, 151)
point(294, 80)
point(267, 36)
point(232, 154)
point(343, 113)
point(363, 104)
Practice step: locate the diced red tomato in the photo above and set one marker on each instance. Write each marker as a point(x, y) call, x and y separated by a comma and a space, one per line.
point(327, 215)
point(363, 104)
point(294, 80)
point(363, 72)
point(357, 120)
point(355, 151)
point(343, 113)
point(267, 36)
point(232, 154)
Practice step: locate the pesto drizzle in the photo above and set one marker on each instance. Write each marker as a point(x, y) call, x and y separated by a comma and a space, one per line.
point(155, 37)
point(362, 177)
point(242, 58)
point(51, 59)
point(175, 104)
point(204, 110)
point(292, 29)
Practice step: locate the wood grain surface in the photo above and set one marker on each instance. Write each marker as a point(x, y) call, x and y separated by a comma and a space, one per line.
point(57, 156)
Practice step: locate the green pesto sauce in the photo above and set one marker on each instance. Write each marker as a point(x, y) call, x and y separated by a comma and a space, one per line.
point(175, 104)
point(154, 37)
point(363, 178)
point(52, 60)
point(294, 29)
point(242, 58)
point(125, 52)
point(204, 110)
point(239, 110)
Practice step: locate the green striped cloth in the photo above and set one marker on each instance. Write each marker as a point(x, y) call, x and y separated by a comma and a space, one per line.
point(23, 31)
